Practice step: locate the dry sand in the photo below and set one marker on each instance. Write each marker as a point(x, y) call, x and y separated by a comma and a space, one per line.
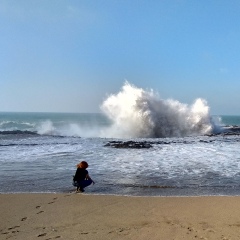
point(82, 216)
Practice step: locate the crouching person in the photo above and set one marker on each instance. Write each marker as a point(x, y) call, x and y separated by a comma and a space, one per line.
point(81, 178)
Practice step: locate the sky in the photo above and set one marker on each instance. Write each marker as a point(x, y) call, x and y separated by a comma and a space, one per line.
point(68, 56)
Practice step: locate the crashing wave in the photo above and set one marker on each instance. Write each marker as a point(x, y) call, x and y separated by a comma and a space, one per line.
point(143, 114)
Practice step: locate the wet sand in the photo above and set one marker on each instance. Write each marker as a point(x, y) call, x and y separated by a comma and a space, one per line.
point(83, 216)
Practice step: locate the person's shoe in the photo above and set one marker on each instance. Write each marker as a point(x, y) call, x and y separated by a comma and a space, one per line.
point(80, 190)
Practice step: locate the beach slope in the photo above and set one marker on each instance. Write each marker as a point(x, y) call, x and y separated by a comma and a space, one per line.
point(82, 216)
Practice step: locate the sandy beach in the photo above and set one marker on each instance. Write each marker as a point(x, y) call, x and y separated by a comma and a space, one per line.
point(82, 216)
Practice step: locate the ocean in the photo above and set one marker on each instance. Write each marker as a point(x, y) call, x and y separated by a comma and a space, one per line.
point(39, 152)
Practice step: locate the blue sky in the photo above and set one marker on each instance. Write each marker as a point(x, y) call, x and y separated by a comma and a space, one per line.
point(67, 56)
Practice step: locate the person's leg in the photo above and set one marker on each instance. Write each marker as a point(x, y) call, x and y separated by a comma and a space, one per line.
point(86, 183)
point(83, 184)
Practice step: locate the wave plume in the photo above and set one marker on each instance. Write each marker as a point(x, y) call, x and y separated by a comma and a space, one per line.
point(140, 113)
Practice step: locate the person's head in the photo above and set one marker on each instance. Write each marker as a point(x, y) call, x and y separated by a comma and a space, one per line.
point(83, 165)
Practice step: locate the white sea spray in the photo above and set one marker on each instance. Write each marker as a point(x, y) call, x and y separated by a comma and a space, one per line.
point(46, 127)
point(142, 113)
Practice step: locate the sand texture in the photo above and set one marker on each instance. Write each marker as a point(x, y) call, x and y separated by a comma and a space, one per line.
point(82, 216)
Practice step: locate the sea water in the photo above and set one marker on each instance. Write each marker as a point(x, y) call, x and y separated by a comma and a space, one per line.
point(191, 153)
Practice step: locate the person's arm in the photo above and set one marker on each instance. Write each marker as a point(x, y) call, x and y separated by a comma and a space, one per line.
point(88, 177)
point(75, 176)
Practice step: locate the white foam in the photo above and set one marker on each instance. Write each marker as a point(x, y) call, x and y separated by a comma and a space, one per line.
point(46, 127)
point(142, 113)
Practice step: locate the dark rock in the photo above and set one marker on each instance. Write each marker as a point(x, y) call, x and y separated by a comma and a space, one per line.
point(128, 144)
point(18, 132)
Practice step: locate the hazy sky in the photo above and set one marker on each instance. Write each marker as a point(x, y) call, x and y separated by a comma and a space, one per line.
point(67, 56)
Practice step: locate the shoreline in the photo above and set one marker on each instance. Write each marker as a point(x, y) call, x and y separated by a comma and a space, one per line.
point(119, 195)
point(122, 195)
point(93, 216)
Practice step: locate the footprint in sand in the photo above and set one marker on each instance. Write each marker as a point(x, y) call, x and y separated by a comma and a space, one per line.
point(38, 207)
point(24, 218)
point(53, 200)
point(42, 235)
point(11, 228)
point(53, 238)
point(14, 231)
point(40, 212)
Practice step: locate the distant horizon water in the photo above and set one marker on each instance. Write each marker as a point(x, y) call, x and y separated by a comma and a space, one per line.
point(97, 125)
